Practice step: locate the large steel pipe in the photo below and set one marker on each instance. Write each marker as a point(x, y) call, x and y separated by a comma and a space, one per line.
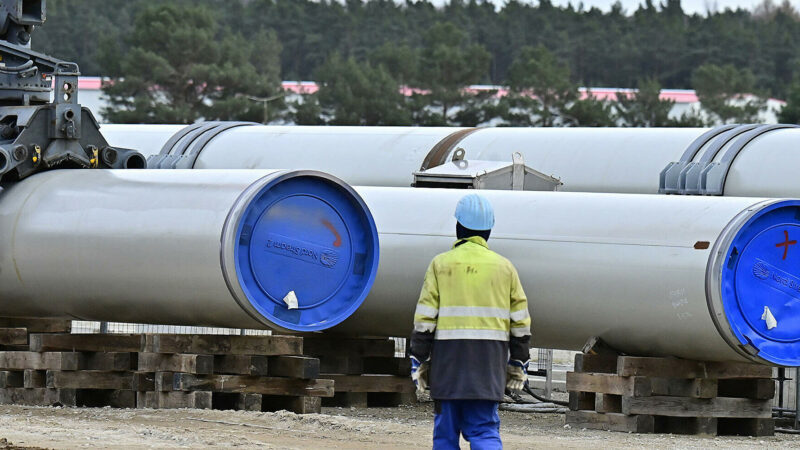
point(586, 159)
point(371, 156)
point(222, 248)
point(650, 275)
point(747, 160)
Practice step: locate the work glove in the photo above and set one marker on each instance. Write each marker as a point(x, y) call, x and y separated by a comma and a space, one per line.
point(516, 374)
point(419, 373)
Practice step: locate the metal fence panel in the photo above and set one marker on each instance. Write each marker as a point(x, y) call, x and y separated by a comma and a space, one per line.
point(81, 327)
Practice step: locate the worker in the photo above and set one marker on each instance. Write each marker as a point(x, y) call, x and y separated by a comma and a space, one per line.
point(471, 315)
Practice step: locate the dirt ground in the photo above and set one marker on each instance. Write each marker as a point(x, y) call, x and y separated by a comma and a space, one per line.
point(335, 428)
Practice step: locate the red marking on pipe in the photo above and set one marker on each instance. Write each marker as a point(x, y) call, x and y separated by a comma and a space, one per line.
point(785, 244)
point(328, 225)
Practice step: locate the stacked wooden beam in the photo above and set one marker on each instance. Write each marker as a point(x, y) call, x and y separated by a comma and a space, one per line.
point(260, 373)
point(668, 395)
point(263, 373)
point(14, 331)
point(365, 371)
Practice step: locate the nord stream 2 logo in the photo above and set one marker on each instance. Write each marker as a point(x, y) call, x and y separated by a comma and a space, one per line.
point(306, 251)
point(776, 277)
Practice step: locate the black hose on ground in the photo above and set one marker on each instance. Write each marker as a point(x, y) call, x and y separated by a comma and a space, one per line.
point(530, 392)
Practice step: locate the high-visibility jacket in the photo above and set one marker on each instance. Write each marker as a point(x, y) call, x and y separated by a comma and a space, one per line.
point(471, 305)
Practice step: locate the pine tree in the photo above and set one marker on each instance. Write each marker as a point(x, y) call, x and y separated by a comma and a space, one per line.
point(644, 108)
point(181, 67)
point(448, 64)
point(450, 45)
point(590, 112)
point(540, 89)
point(791, 112)
point(354, 93)
point(727, 93)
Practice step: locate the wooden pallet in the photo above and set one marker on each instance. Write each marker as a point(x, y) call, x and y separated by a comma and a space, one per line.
point(669, 395)
point(259, 373)
point(365, 371)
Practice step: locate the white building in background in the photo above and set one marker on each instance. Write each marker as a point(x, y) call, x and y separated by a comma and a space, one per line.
point(91, 96)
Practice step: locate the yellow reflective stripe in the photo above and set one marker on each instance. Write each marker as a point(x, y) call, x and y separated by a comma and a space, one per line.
point(473, 311)
point(522, 314)
point(468, 333)
point(486, 323)
point(426, 311)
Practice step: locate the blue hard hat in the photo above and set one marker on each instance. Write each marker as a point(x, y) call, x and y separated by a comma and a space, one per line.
point(475, 212)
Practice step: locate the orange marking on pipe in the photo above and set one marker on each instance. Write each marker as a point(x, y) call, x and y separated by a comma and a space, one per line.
point(328, 225)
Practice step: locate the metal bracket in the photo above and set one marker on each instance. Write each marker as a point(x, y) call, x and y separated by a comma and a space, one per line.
point(669, 177)
point(66, 118)
point(183, 148)
point(438, 154)
point(167, 158)
point(715, 174)
point(690, 179)
point(707, 175)
point(517, 172)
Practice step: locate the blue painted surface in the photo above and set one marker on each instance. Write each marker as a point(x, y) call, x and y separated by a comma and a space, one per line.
point(762, 269)
point(309, 235)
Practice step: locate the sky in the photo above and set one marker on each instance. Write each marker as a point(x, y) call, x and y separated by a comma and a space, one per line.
point(689, 6)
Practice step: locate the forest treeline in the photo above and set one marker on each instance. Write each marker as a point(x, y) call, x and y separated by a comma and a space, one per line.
point(180, 60)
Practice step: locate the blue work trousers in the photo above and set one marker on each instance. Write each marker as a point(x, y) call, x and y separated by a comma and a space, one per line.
point(477, 420)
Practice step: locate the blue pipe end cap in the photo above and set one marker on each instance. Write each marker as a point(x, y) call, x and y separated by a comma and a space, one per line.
point(761, 284)
point(306, 251)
